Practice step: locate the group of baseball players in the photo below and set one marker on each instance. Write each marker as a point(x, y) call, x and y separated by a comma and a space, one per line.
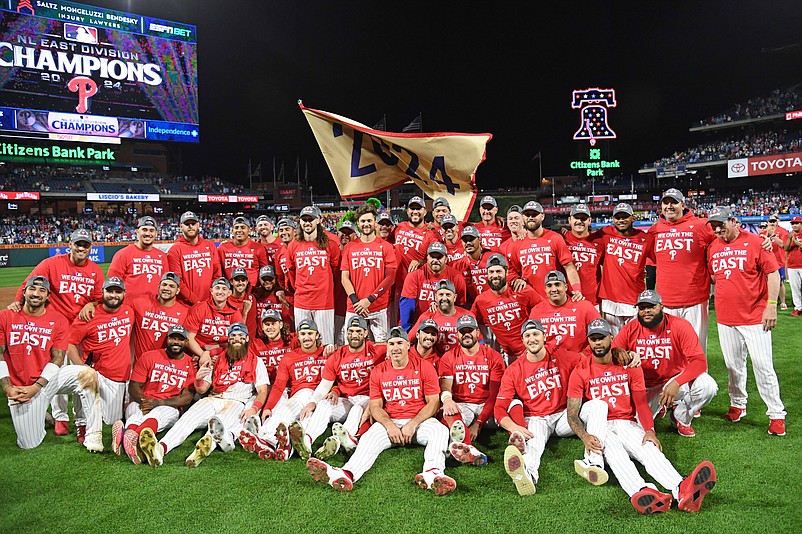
point(393, 334)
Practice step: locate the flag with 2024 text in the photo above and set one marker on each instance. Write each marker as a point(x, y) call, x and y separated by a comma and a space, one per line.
point(364, 161)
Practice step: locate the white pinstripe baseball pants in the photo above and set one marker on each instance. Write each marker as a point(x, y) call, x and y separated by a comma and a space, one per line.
point(339, 411)
point(165, 416)
point(795, 280)
point(698, 315)
point(197, 417)
point(285, 411)
point(112, 395)
point(324, 320)
point(377, 324)
point(691, 397)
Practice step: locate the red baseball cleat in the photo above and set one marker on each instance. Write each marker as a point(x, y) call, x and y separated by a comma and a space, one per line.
point(62, 428)
point(333, 476)
point(683, 430)
point(777, 427)
point(117, 430)
point(131, 446)
point(735, 414)
point(80, 432)
point(796, 313)
point(695, 486)
point(517, 439)
point(650, 501)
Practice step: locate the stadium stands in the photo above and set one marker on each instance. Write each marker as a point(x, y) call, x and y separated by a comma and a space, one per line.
point(779, 101)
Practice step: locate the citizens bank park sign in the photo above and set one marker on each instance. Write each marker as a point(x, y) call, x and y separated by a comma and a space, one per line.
point(776, 164)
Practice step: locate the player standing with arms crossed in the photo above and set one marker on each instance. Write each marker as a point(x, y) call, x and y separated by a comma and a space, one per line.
point(140, 265)
point(747, 284)
point(195, 260)
point(793, 245)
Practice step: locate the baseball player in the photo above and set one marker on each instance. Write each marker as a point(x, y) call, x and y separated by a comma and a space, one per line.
point(236, 379)
point(502, 310)
point(793, 245)
point(342, 395)
point(265, 236)
point(424, 342)
point(241, 297)
point(242, 251)
point(538, 253)
point(585, 251)
point(419, 287)
point(286, 233)
point(680, 241)
point(208, 322)
point(386, 228)
point(140, 265)
point(411, 239)
point(451, 238)
point(470, 377)
point(368, 272)
point(564, 319)
point(491, 229)
point(445, 316)
point(33, 342)
point(747, 284)
point(673, 362)
point(195, 260)
point(159, 386)
point(473, 264)
point(155, 313)
point(345, 234)
point(515, 224)
point(404, 396)
point(266, 296)
point(273, 342)
point(622, 438)
point(314, 267)
point(777, 236)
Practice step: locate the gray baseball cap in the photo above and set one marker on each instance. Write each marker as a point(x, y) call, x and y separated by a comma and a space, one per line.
point(532, 324)
point(238, 272)
point(445, 283)
point(241, 220)
point(267, 271)
point(470, 231)
point(437, 248)
point(310, 211)
point(357, 321)
point(397, 332)
point(441, 202)
point(188, 216)
point(416, 200)
point(270, 314)
point(673, 193)
point(222, 281)
point(347, 226)
point(429, 323)
point(237, 328)
point(178, 330)
point(515, 208)
point(285, 222)
point(38, 281)
point(623, 207)
point(171, 276)
point(81, 234)
point(555, 276)
point(488, 200)
point(385, 217)
point(114, 281)
point(467, 321)
point(649, 297)
point(497, 260)
point(448, 219)
point(532, 205)
point(599, 326)
point(307, 324)
point(147, 220)
point(719, 214)
point(263, 218)
point(580, 208)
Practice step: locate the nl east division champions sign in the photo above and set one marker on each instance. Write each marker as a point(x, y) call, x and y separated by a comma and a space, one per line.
point(68, 69)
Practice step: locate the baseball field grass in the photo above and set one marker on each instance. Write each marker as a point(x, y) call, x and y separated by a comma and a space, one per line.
point(60, 486)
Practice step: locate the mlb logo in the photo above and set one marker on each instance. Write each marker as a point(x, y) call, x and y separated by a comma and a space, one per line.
point(607, 373)
point(652, 336)
point(80, 33)
point(469, 362)
point(400, 377)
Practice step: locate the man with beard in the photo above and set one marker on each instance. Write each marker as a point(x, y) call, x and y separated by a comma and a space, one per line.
point(445, 316)
point(314, 262)
point(241, 297)
point(585, 251)
point(105, 340)
point(538, 253)
point(273, 342)
point(564, 320)
point(502, 310)
point(265, 236)
point(673, 362)
point(236, 380)
point(341, 397)
point(286, 233)
point(420, 287)
point(155, 314)
point(621, 436)
point(33, 343)
point(403, 401)
point(265, 297)
point(208, 323)
point(424, 342)
point(386, 227)
point(195, 260)
point(451, 238)
point(470, 377)
point(473, 264)
point(491, 232)
point(140, 265)
point(159, 386)
point(242, 251)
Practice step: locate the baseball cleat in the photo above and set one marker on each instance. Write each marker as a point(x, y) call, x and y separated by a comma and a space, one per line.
point(329, 448)
point(283, 444)
point(247, 439)
point(333, 476)
point(202, 449)
point(467, 454)
point(683, 430)
point(62, 428)
point(735, 414)
point(650, 501)
point(796, 313)
point(347, 441)
point(131, 446)
point(695, 486)
point(216, 428)
point(264, 450)
point(517, 439)
point(80, 433)
point(94, 442)
point(117, 431)
point(777, 427)
point(151, 448)
point(252, 425)
point(514, 466)
point(594, 474)
point(300, 441)
point(435, 480)
point(457, 431)
point(697, 414)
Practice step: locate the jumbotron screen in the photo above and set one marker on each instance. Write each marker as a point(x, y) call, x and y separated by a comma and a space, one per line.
point(78, 72)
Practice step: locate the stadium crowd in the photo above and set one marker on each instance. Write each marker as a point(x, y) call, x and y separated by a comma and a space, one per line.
point(779, 101)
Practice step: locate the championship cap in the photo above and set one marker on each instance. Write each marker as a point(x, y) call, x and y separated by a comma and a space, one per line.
point(448, 219)
point(222, 281)
point(532, 205)
point(310, 211)
point(437, 248)
point(347, 225)
point(488, 200)
point(270, 314)
point(417, 201)
point(429, 323)
point(188, 216)
point(397, 332)
point(237, 328)
point(263, 218)
point(649, 297)
point(623, 207)
point(673, 194)
point(470, 231)
point(515, 208)
point(579, 208)
point(555, 276)
point(385, 217)
point(497, 260)
point(171, 276)
point(796, 219)
point(114, 281)
point(267, 271)
point(238, 272)
point(774, 217)
point(81, 234)
point(599, 326)
point(719, 214)
point(763, 224)
point(241, 220)
point(285, 222)
point(307, 324)
point(178, 330)
point(532, 324)
point(445, 283)
point(467, 321)
point(38, 281)
point(147, 220)
point(357, 321)
point(441, 202)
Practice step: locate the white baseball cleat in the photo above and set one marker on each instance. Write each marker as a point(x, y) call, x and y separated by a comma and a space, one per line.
point(517, 439)
point(117, 431)
point(283, 443)
point(202, 449)
point(347, 441)
point(467, 454)
point(131, 446)
point(221, 436)
point(151, 448)
point(252, 425)
point(300, 440)
point(333, 476)
point(514, 466)
point(329, 448)
point(457, 431)
point(594, 474)
point(94, 442)
point(435, 480)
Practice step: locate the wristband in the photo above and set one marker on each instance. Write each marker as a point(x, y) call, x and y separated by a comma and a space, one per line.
point(772, 301)
point(41, 386)
point(257, 405)
point(353, 298)
point(3, 370)
point(444, 396)
point(371, 298)
point(50, 371)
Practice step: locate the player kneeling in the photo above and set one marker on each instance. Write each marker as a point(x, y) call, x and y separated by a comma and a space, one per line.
point(623, 438)
point(159, 386)
point(232, 382)
point(403, 400)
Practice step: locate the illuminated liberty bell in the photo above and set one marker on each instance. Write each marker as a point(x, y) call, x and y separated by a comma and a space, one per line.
point(593, 104)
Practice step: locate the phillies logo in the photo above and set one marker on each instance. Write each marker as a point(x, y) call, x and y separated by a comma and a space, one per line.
point(85, 87)
point(593, 104)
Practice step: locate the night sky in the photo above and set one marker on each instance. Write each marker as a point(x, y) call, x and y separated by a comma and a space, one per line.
point(470, 67)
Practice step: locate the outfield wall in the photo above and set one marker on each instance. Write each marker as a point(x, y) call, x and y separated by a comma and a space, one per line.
point(31, 255)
